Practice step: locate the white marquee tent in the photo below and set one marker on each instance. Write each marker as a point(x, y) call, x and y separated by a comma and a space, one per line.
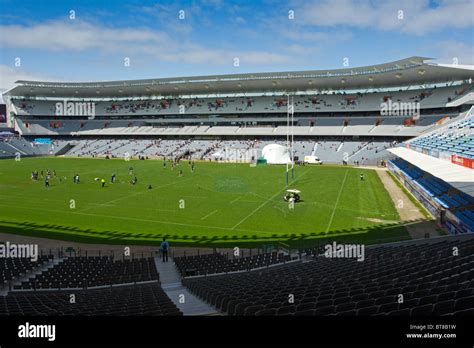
point(276, 154)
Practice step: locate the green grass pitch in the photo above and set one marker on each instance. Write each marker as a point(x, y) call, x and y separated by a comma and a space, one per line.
point(219, 204)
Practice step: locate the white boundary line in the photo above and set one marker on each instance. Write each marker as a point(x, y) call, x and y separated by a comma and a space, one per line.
point(137, 219)
point(337, 201)
point(110, 202)
point(212, 212)
point(256, 209)
point(235, 200)
point(264, 203)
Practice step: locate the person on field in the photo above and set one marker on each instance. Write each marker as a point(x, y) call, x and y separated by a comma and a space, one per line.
point(164, 249)
point(361, 176)
point(46, 181)
point(103, 182)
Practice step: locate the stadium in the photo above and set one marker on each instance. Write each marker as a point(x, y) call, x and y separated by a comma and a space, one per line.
point(326, 193)
point(246, 135)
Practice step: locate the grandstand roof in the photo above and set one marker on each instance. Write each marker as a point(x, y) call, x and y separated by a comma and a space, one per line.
point(405, 72)
point(459, 177)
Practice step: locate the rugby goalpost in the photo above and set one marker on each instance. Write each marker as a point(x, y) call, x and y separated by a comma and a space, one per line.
point(290, 139)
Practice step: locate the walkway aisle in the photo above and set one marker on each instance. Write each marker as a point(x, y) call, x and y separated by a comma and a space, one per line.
point(171, 284)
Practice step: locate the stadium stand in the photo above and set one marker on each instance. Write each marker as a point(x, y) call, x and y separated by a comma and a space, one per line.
point(456, 138)
point(12, 145)
point(460, 203)
point(242, 150)
point(12, 268)
point(323, 102)
point(221, 263)
point(82, 272)
point(143, 299)
point(430, 278)
point(343, 126)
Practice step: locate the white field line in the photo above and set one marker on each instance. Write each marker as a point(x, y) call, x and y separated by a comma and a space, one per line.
point(264, 203)
point(21, 197)
point(337, 201)
point(256, 209)
point(128, 196)
point(235, 200)
point(109, 202)
point(157, 221)
point(137, 219)
point(344, 209)
point(211, 213)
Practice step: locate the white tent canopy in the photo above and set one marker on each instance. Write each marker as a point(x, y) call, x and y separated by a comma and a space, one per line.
point(457, 176)
point(276, 154)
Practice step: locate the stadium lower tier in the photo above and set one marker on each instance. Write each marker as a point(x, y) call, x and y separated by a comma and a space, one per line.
point(147, 299)
point(81, 272)
point(14, 146)
point(329, 150)
point(10, 268)
point(220, 263)
point(453, 208)
point(414, 279)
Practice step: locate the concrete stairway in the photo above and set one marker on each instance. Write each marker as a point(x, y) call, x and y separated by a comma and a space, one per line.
point(174, 289)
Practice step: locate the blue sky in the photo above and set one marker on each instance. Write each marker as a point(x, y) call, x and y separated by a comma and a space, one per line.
point(263, 35)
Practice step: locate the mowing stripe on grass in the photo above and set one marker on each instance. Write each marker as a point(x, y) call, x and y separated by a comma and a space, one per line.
point(337, 201)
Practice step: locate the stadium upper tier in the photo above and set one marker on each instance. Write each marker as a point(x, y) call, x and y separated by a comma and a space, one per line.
point(400, 102)
point(405, 72)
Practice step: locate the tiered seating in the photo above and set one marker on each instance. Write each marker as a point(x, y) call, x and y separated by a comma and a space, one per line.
point(457, 138)
point(430, 278)
point(220, 263)
point(460, 202)
point(11, 268)
point(11, 146)
point(79, 272)
point(145, 299)
point(256, 125)
point(365, 152)
point(323, 102)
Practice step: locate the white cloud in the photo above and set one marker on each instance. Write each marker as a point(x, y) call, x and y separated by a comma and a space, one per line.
point(83, 36)
point(57, 35)
point(9, 75)
point(306, 35)
point(452, 52)
point(417, 16)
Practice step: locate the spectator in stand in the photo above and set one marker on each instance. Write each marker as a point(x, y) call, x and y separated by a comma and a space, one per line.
point(164, 247)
